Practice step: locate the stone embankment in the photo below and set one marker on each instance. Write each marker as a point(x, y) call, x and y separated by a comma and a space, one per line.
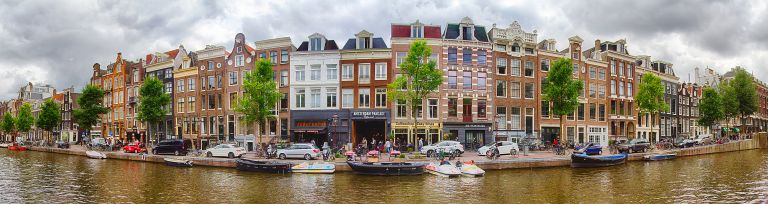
point(759, 141)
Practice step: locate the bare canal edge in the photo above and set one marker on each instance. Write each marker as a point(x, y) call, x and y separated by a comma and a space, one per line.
point(759, 141)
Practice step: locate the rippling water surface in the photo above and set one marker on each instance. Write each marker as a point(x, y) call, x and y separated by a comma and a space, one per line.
point(53, 178)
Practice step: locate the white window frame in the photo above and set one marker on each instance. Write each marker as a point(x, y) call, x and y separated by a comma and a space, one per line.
point(381, 71)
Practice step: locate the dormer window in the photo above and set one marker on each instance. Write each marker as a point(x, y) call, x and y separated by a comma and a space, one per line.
point(364, 43)
point(417, 31)
point(466, 33)
point(239, 49)
point(315, 44)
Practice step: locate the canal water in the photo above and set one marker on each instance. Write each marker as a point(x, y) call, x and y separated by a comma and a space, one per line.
point(54, 178)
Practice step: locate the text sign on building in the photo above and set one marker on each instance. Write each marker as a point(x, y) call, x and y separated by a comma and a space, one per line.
point(368, 114)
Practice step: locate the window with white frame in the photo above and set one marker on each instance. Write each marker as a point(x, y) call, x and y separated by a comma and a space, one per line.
point(315, 44)
point(299, 72)
point(332, 73)
point(314, 97)
point(273, 57)
point(330, 97)
point(180, 84)
point(283, 78)
point(400, 58)
point(417, 31)
point(381, 71)
point(283, 56)
point(515, 68)
point(364, 72)
point(432, 108)
point(347, 98)
point(347, 72)
point(232, 78)
point(191, 82)
point(501, 88)
point(381, 98)
point(364, 98)
point(314, 72)
point(514, 118)
point(514, 90)
point(239, 61)
point(191, 104)
point(501, 117)
point(501, 66)
point(300, 98)
point(400, 109)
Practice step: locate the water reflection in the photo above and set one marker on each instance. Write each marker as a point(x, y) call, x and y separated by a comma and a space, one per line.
point(42, 177)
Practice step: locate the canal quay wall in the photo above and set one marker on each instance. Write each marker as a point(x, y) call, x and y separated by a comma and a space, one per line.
point(759, 141)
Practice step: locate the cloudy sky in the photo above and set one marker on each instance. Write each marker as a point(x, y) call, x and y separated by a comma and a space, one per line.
point(57, 42)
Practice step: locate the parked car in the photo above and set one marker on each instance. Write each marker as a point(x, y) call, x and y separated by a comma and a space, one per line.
point(504, 147)
point(306, 151)
point(703, 139)
point(590, 149)
point(225, 150)
point(99, 141)
point(134, 148)
point(447, 146)
point(682, 142)
point(175, 147)
point(62, 145)
point(635, 145)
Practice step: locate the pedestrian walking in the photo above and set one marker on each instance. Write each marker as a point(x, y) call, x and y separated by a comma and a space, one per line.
point(365, 143)
point(421, 144)
point(388, 146)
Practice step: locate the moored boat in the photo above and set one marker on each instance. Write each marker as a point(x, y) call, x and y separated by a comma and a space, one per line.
point(262, 166)
point(314, 168)
point(471, 170)
point(95, 154)
point(4, 145)
point(583, 160)
point(16, 147)
point(177, 162)
point(387, 168)
point(657, 157)
point(444, 169)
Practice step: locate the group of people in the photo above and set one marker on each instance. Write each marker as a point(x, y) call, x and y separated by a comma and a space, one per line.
point(382, 146)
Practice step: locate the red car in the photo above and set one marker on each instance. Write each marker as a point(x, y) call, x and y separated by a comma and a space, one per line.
point(134, 148)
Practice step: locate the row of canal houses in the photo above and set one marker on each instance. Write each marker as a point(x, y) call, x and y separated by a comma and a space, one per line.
point(336, 92)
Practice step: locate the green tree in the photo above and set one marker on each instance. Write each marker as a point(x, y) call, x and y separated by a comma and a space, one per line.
point(153, 102)
point(419, 78)
point(260, 96)
point(49, 117)
point(24, 118)
point(562, 90)
point(650, 97)
point(710, 108)
point(730, 104)
point(90, 110)
point(745, 93)
point(8, 125)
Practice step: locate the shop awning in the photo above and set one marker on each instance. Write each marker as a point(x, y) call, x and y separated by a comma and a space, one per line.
point(313, 130)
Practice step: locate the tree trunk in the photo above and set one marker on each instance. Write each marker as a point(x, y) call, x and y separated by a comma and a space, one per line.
point(562, 132)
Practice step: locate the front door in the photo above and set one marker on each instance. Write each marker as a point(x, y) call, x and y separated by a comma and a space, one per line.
point(467, 115)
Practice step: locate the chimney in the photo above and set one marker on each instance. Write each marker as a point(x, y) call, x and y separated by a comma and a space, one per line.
point(597, 45)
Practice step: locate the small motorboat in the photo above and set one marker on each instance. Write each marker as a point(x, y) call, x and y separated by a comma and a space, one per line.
point(314, 168)
point(583, 160)
point(387, 168)
point(16, 147)
point(470, 169)
point(95, 155)
point(4, 145)
point(657, 157)
point(177, 162)
point(445, 169)
point(262, 166)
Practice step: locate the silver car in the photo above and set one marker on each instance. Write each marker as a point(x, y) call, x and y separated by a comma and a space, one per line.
point(306, 151)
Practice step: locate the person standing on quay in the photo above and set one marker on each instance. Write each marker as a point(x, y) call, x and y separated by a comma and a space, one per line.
point(421, 144)
point(388, 146)
point(365, 143)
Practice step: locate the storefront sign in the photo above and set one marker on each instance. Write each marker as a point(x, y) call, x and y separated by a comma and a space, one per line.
point(474, 126)
point(356, 115)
